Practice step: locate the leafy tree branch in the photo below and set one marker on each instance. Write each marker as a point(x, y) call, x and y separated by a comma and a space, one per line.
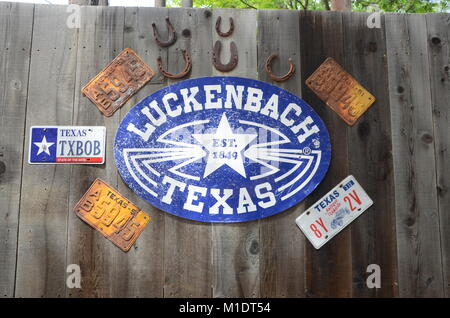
point(410, 6)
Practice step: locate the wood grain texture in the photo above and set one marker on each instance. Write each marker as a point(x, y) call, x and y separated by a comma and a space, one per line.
point(328, 270)
point(398, 151)
point(282, 244)
point(16, 25)
point(236, 247)
point(100, 40)
point(417, 217)
point(143, 264)
point(438, 36)
point(138, 35)
point(370, 158)
point(187, 244)
point(41, 263)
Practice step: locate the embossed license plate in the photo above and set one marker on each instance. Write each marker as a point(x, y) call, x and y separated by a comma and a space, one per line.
point(106, 210)
point(340, 91)
point(67, 144)
point(118, 81)
point(334, 211)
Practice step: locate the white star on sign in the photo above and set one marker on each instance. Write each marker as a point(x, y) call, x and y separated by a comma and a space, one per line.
point(43, 146)
point(224, 147)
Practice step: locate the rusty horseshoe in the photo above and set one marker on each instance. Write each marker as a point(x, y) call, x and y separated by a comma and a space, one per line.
point(172, 34)
point(224, 34)
point(276, 78)
point(233, 59)
point(187, 67)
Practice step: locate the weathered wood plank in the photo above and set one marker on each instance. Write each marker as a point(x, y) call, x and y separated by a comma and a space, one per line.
point(16, 25)
point(328, 270)
point(41, 263)
point(142, 267)
point(176, 257)
point(282, 244)
point(138, 35)
point(100, 40)
point(417, 218)
point(438, 35)
point(187, 249)
point(369, 146)
point(236, 246)
point(193, 27)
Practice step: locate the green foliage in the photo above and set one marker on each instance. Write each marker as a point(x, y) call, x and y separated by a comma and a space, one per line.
point(410, 6)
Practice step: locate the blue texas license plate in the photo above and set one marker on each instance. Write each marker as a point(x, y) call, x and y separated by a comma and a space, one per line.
point(334, 211)
point(67, 144)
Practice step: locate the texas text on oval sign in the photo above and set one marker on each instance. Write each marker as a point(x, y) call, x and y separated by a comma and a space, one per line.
point(222, 149)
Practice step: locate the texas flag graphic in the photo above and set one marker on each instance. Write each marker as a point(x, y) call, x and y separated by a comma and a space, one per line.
point(43, 145)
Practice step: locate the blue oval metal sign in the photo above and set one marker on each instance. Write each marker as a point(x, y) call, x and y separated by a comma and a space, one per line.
point(222, 149)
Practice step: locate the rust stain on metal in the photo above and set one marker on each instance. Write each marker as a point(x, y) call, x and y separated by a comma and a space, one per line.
point(232, 63)
point(172, 34)
point(186, 70)
point(230, 30)
point(110, 213)
point(118, 82)
point(274, 77)
point(340, 91)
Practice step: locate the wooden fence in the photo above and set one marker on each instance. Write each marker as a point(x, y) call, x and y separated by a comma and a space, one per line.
point(398, 151)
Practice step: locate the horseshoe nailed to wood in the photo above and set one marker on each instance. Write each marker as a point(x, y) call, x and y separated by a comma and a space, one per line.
point(274, 77)
point(224, 34)
point(172, 34)
point(233, 59)
point(187, 67)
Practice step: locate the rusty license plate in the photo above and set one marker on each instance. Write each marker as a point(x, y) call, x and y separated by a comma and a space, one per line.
point(340, 91)
point(118, 81)
point(106, 210)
